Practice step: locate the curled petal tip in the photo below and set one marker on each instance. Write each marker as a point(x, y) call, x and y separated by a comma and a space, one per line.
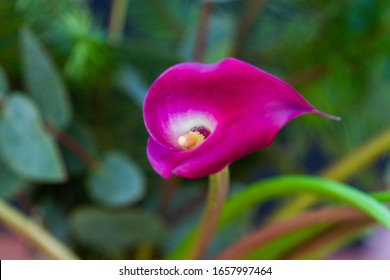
point(328, 116)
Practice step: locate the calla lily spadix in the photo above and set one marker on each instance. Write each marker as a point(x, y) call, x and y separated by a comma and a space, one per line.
point(202, 117)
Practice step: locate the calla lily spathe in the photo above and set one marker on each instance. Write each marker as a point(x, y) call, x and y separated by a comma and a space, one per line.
point(202, 117)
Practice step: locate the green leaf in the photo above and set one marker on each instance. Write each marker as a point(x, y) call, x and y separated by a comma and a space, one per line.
point(10, 183)
point(117, 182)
point(112, 231)
point(259, 192)
point(27, 148)
point(3, 82)
point(324, 188)
point(43, 81)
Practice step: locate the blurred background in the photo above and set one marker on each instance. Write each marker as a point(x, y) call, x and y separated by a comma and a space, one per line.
point(73, 75)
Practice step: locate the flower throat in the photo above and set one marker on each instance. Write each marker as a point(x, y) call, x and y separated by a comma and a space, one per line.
point(193, 138)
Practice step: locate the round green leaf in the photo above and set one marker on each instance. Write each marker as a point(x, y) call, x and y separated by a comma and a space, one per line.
point(117, 182)
point(111, 231)
point(43, 81)
point(27, 149)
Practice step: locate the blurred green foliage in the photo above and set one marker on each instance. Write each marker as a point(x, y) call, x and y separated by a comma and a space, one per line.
point(71, 131)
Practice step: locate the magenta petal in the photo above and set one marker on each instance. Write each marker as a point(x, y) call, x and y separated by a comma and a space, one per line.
point(240, 105)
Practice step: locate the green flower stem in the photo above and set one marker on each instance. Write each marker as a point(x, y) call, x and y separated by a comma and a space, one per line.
point(218, 189)
point(33, 233)
point(342, 170)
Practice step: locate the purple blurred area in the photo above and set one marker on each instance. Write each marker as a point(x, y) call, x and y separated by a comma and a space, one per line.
point(374, 247)
point(13, 248)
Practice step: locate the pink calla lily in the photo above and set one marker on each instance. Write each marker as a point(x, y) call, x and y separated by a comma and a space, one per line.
point(203, 117)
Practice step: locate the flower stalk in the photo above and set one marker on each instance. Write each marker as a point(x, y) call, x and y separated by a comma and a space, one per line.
point(34, 233)
point(217, 192)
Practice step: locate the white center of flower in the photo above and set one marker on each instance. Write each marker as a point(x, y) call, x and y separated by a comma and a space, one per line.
point(190, 129)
